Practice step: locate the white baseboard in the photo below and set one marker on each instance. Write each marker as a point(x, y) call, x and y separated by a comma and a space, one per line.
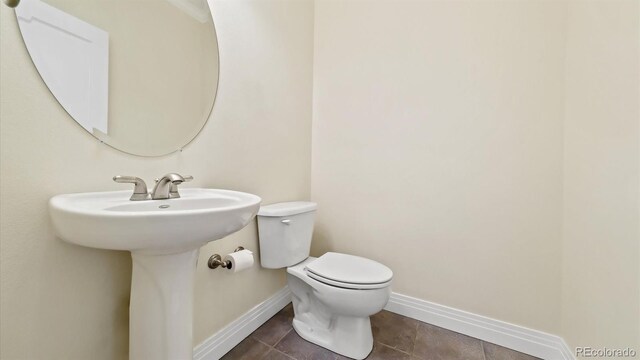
point(566, 350)
point(231, 335)
point(532, 342)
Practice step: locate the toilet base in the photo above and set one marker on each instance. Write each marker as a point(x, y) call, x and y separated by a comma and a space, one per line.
point(332, 317)
point(347, 336)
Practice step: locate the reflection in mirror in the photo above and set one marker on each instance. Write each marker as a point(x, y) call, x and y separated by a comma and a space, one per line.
point(140, 75)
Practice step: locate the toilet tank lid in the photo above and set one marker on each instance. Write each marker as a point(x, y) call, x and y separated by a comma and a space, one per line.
point(287, 208)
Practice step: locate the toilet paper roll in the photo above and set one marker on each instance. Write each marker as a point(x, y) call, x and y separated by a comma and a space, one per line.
point(239, 260)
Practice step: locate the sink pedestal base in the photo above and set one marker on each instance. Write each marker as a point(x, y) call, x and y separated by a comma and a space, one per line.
point(161, 310)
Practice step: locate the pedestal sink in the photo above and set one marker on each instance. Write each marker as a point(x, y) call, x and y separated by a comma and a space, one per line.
point(164, 238)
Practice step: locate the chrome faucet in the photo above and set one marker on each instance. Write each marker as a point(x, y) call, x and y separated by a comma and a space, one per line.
point(166, 187)
point(163, 186)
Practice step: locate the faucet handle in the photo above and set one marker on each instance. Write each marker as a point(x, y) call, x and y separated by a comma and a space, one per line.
point(140, 191)
point(173, 192)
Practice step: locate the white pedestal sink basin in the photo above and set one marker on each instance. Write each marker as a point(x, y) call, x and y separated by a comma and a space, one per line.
point(164, 237)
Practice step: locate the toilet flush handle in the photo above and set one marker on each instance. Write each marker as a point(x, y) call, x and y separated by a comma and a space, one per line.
point(286, 221)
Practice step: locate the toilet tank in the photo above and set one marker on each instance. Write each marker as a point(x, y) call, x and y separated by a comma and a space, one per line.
point(285, 230)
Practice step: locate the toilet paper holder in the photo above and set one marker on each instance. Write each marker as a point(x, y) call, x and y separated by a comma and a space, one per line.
point(216, 260)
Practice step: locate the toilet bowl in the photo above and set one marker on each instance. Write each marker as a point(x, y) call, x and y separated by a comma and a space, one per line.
point(333, 295)
point(336, 318)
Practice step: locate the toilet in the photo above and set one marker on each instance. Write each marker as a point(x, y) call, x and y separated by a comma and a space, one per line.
point(333, 295)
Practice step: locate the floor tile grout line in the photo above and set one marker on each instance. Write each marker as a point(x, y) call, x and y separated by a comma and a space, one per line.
point(394, 349)
point(411, 355)
point(282, 337)
point(484, 352)
point(415, 339)
point(260, 341)
point(266, 352)
point(285, 354)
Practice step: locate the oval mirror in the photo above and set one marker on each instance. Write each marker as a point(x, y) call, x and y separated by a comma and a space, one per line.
point(139, 75)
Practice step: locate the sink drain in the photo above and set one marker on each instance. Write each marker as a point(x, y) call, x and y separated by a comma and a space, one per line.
point(164, 206)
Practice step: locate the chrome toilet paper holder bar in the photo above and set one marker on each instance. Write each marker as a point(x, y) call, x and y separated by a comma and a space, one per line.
point(216, 260)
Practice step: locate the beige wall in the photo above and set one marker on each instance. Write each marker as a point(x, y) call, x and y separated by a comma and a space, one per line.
point(61, 301)
point(437, 142)
point(601, 279)
point(489, 153)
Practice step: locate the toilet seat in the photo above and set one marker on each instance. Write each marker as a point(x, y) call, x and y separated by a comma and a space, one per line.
point(348, 285)
point(349, 271)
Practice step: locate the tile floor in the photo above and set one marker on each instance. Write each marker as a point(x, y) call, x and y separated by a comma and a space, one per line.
point(395, 338)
